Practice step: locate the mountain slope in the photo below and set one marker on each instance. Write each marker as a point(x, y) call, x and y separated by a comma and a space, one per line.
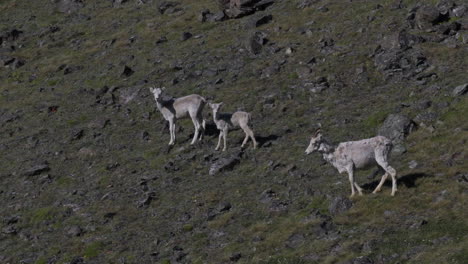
point(87, 176)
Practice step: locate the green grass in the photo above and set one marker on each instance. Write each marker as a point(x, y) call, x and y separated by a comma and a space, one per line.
point(93, 249)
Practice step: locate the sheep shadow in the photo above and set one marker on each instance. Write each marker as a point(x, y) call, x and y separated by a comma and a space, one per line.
point(408, 180)
point(262, 141)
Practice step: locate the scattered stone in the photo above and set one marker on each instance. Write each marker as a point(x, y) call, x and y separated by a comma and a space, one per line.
point(257, 21)
point(339, 205)
point(10, 230)
point(360, 260)
point(168, 7)
point(161, 40)
point(37, 169)
point(224, 206)
point(185, 36)
point(77, 134)
point(75, 231)
point(237, 9)
point(256, 41)
point(462, 178)
point(149, 196)
point(427, 16)
point(69, 6)
point(460, 11)
point(127, 72)
point(204, 15)
point(270, 71)
point(116, 3)
point(235, 257)
point(303, 72)
point(145, 136)
point(12, 35)
point(412, 164)
point(13, 62)
point(224, 164)
point(295, 240)
point(306, 3)
point(77, 260)
point(460, 90)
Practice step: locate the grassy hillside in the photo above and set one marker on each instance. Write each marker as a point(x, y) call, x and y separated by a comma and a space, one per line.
point(86, 175)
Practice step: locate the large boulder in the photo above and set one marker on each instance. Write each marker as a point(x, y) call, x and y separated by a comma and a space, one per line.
point(427, 16)
point(396, 127)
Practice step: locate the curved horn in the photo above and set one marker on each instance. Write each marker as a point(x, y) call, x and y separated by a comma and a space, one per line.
point(317, 132)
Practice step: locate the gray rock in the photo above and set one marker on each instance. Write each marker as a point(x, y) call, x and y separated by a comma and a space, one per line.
point(258, 20)
point(295, 240)
point(460, 11)
point(339, 205)
point(303, 72)
point(413, 164)
point(235, 257)
point(396, 127)
point(224, 164)
point(10, 230)
point(168, 7)
point(427, 16)
point(270, 71)
point(460, 90)
point(401, 40)
point(306, 3)
point(204, 15)
point(69, 6)
point(127, 72)
point(77, 134)
point(256, 41)
point(37, 169)
point(185, 36)
point(75, 231)
point(12, 62)
point(360, 260)
point(236, 8)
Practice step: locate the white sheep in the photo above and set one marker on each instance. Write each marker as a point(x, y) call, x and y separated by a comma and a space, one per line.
point(182, 107)
point(226, 121)
point(352, 155)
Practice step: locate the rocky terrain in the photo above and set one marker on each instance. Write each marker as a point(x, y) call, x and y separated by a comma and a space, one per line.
point(86, 174)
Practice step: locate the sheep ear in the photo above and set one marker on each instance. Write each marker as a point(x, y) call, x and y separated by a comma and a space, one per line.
point(164, 88)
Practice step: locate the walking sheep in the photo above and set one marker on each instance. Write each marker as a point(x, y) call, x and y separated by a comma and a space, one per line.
point(226, 121)
point(173, 109)
point(353, 155)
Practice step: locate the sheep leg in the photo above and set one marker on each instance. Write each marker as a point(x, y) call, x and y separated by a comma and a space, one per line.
point(197, 128)
point(359, 189)
point(382, 161)
point(249, 133)
point(394, 181)
point(172, 131)
point(202, 128)
point(245, 139)
point(219, 140)
point(225, 139)
point(379, 187)
point(351, 180)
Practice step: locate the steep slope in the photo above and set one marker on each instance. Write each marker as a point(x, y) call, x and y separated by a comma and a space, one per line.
point(86, 175)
